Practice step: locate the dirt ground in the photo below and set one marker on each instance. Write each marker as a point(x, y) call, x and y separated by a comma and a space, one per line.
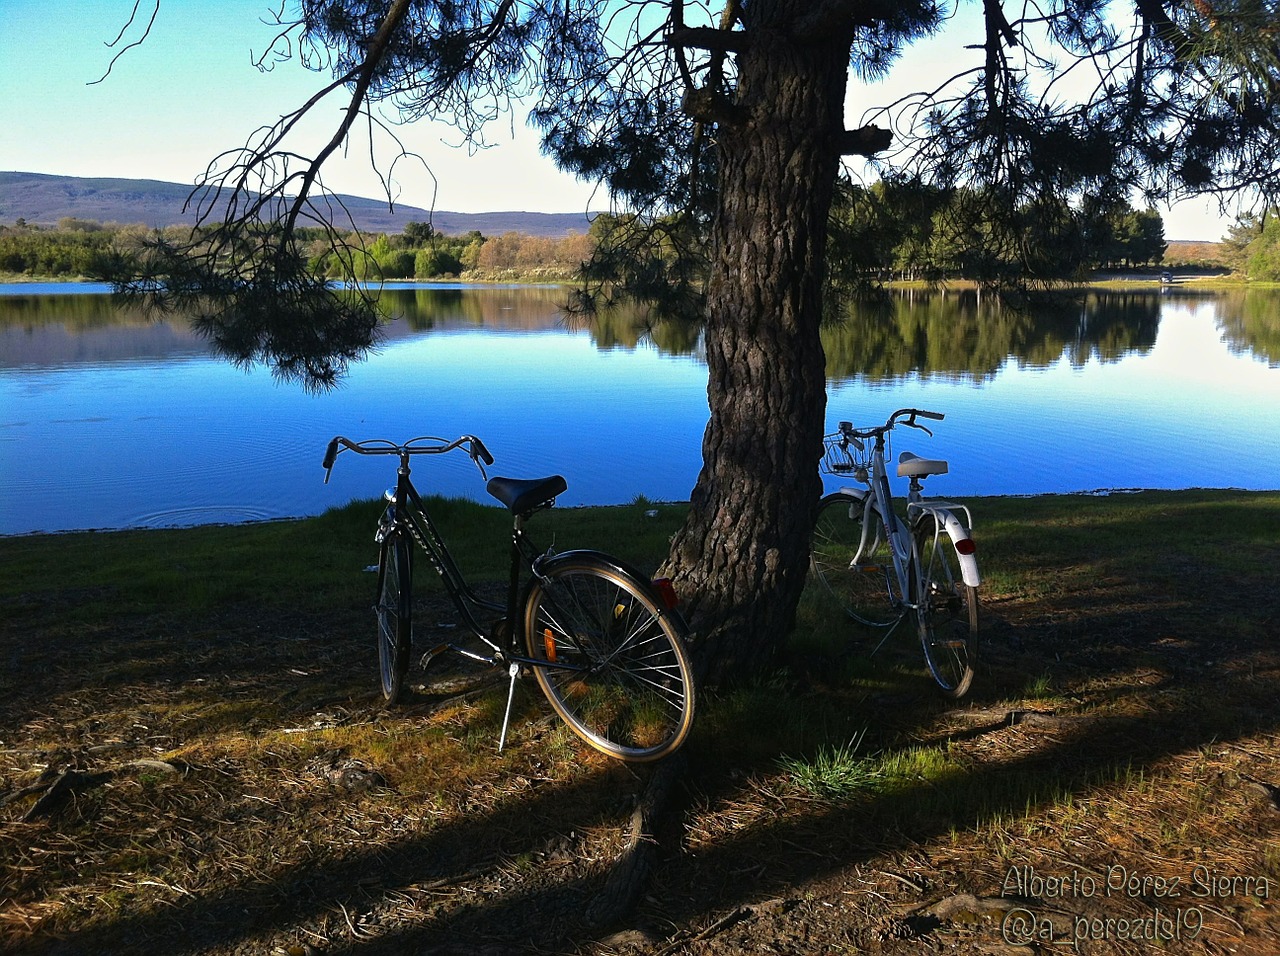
point(228, 785)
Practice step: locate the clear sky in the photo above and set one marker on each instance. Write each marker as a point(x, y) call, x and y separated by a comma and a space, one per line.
point(191, 91)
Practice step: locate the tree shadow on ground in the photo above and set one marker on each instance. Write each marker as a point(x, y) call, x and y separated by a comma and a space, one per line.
point(1171, 664)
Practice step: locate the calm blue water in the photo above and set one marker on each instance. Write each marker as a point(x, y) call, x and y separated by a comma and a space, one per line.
point(108, 421)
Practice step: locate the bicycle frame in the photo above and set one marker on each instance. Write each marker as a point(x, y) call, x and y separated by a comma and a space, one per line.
point(877, 499)
point(877, 514)
point(896, 565)
point(609, 640)
point(406, 510)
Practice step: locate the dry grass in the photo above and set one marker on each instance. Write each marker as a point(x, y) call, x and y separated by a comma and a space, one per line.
point(271, 790)
point(220, 780)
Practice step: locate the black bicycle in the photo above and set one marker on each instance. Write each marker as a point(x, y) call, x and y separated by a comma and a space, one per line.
point(605, 643)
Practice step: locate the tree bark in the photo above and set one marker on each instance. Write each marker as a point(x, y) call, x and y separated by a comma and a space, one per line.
point(743, 552)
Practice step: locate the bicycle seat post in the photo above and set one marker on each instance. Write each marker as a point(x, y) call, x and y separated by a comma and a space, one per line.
point(513, 579)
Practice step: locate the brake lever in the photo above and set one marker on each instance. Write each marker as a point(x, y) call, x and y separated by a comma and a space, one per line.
point(479, 456)
point(912, 423)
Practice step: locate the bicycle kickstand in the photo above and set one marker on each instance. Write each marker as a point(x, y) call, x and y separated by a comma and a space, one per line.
point(514, 670)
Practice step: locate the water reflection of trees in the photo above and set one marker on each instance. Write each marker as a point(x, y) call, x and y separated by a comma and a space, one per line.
point(938, 334)
point(421, 309)
point(627, 325)
point(958, 336)
point(460, 307)
point(77, 312)
point(1250, 323)
point(537, 308)
point(929, 334)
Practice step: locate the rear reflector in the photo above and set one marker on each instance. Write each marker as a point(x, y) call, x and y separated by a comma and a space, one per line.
point(966, 546)
point(667, 592)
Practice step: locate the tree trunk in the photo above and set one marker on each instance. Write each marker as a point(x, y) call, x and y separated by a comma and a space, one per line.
point(743, 552)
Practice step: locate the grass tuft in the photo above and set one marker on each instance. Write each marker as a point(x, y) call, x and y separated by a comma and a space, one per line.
point(211, 695)
point(835, 772)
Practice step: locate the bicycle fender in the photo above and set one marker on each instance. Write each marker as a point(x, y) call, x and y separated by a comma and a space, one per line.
point(619, 566)
point(968, 562)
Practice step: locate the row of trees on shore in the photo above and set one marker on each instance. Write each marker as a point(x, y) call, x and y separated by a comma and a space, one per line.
point(80, 247)
point(880, 233)
point(1252, 246)
point(908, 230)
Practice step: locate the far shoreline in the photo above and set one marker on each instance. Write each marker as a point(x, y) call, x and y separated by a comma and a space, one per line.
point(1100, 279)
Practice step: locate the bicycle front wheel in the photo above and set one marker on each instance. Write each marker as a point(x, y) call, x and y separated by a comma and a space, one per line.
point(393, 610)
point(609, 657)
point(862, 589)
point(946, 610)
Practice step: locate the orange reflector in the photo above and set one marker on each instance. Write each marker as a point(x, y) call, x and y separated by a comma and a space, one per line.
point(966, 546)
point(549, 644)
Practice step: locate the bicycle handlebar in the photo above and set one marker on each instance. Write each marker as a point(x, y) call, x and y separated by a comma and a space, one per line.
point(382, 446)
point(903, 416)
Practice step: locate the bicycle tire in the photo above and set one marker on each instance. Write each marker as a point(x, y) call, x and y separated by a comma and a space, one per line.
point(609, 657)
point(862, 592)
point(946, 610)
point(394, 614)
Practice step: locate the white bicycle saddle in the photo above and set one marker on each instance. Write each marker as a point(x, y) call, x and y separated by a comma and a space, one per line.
point(913, 466)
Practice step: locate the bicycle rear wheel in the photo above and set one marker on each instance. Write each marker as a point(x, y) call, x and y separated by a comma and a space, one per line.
point(862, 589)
point(946, 610)
point(610, 658)
point(393, 610)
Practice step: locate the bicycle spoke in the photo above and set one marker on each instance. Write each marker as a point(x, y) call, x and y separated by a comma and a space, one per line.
point(610, 659)
point(859, 582)
point(393, 616)
point(946, 612)
point(611, 666)
point(857, 558)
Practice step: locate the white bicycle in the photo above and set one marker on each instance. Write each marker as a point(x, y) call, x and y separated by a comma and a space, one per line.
point(883, 568)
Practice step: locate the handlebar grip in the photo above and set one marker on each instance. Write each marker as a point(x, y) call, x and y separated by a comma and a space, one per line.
point(478, 447)
point(935, 416)
point(330, 454)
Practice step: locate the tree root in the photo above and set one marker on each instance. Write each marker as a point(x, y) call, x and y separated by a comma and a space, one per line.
point(630, 873)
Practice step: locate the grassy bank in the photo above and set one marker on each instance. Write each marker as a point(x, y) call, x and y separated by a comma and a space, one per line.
point(205, 699)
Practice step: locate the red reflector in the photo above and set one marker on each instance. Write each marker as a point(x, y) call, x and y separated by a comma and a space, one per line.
point(666, 591)
point(966, 546)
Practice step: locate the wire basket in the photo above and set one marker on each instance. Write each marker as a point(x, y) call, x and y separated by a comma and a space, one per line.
point(842, 457)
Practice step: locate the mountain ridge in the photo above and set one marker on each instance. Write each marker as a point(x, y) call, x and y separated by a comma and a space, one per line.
point(44, 199)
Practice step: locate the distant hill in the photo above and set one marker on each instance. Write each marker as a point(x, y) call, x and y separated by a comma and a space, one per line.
point(1179, 251)
point(43, 199)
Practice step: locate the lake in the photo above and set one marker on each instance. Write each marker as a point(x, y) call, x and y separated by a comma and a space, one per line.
point(110, 420)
